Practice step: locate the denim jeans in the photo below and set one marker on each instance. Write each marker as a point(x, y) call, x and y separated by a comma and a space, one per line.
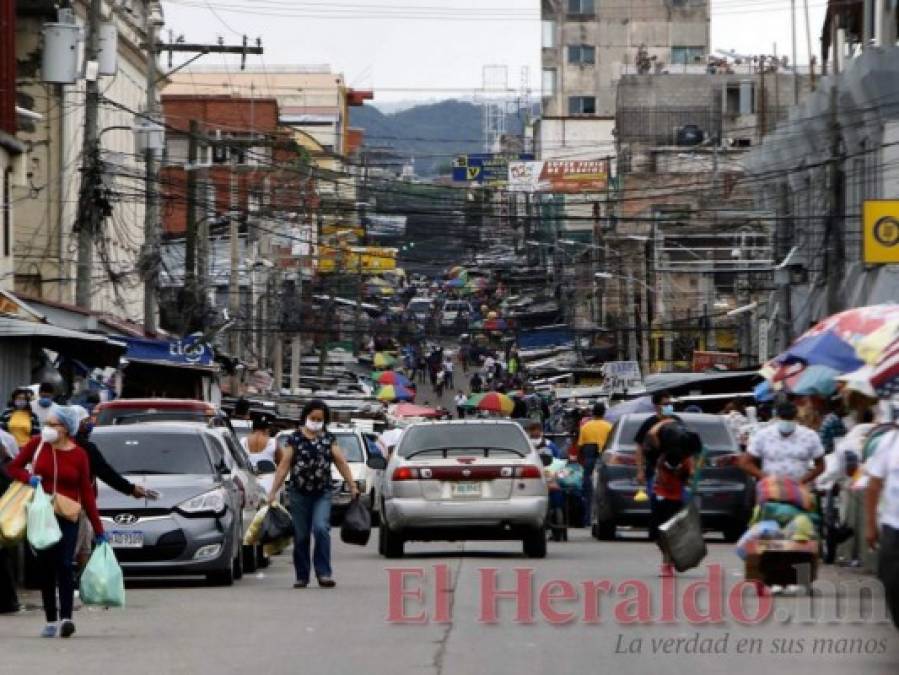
point(589, 458)
point(57, 570)
point(311, 519)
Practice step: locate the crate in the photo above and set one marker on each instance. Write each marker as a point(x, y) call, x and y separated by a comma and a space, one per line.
point(773, 562)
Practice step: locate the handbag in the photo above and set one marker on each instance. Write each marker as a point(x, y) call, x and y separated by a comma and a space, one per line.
point(14, 513)
point(681, 537)
point(64, 507)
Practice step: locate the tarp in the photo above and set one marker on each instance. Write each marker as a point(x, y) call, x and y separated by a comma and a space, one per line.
point(95, 350)
point(663, 381)
point(545, 337)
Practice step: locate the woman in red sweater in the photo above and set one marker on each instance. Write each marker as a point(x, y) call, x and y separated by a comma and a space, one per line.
point(63, 468)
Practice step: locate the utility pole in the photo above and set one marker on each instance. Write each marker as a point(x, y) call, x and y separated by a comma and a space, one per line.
point(190, 235)
point(795, 69)
point(151, 198)
point(89, 215)
point(835, 251)
point(363, 223)
point(234, 272)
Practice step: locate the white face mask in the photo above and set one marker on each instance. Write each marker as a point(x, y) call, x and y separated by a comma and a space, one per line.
point(49, 434)
point(536, 442)
point(314, 427)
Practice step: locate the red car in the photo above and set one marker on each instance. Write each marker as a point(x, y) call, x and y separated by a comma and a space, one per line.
point(135, 410)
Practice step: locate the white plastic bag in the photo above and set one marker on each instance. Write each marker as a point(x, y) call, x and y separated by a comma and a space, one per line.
point(42, 529)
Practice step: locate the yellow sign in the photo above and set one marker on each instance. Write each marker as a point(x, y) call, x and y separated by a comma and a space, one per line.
point(881, 231)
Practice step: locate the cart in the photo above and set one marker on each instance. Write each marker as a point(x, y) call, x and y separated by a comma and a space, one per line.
point(780, 562)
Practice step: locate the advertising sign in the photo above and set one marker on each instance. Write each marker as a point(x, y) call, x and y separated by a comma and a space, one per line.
point(703, 361)
point(881, 231)
point(485, 167)
point(559, 176)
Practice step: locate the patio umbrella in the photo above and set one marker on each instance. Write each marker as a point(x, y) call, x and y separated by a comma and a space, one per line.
point(395, 392)
point(885, 373)
point(636, 405)
point(810, 381)
point(391, 377)
point(458, 282)
point(491, 402)
point(383, 361)
point(456, 272)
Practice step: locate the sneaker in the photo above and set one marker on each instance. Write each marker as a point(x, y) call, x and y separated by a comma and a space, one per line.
point(67, 629)
point(666, 571)
point(49, 631)
point(301, 584)
point(326, 582)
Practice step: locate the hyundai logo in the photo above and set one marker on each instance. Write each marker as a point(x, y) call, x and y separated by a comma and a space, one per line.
point(466, 472)
point(125, 519)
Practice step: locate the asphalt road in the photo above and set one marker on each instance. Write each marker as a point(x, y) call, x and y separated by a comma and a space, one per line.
point(263, 625)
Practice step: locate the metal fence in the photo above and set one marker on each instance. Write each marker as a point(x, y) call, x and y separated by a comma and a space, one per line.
point(660, 126)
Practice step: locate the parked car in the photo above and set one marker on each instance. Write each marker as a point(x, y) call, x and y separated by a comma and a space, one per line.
point(355, 449)
point(455, 313)
point(420, 308)
point(195, 526)
point(463, 480)
point(137, 410)
point(727, 493)
point(253, 494)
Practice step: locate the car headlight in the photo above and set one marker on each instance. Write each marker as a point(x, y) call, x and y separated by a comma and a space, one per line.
point(213, 501)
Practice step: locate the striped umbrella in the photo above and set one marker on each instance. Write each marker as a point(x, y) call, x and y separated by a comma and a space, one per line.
point(492, 401)
point(395, 392)
point(383, 361)
point(885, 374)
point(391, 377)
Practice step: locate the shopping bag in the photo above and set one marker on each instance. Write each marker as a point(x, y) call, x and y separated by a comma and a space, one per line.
point(356, 528)
point(101, 581)
point(14, 512)
point(681, 538)
point(253, 534)
point(276, 525)
point(42, 528)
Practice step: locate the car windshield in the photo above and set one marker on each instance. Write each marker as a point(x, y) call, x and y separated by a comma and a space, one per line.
point(352, 449)
point(137, 414)
point(711, 429)
point(145, 452)
point(454, 307)
point(419, 306)
point(463, 439)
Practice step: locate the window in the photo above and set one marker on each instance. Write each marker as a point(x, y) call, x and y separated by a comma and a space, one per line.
point(580, 7)
point(581, 54)
point(740, 98)
point(549, 81)
point(582, 105)
point(687, 55)
point(175, 149)
point(549, 34)
point(142, 452)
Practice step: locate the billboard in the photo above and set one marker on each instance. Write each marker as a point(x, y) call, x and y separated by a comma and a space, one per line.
point(881, 231)
point(703, 361)
point(485, 167)
point(559, 176)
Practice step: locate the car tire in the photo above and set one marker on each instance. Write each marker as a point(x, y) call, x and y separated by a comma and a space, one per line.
point(237, 563)
point(250, 562)
point(223, 577)
point(534, 544)
point(606, 530)
point(733, 531)
point(391, 543)
point(375, 514)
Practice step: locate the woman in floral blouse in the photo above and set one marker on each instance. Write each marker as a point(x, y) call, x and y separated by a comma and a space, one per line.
point(307, 460)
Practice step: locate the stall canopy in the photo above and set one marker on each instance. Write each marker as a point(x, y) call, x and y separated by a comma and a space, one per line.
point(96, 350)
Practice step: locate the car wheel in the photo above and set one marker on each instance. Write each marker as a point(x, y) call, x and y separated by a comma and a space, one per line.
point(223, 577)
point(250, 563)
point(393, 543)
point(606, 530)
point(375, 514)
point(534, 544)
point(733, 531)
point(237, 563)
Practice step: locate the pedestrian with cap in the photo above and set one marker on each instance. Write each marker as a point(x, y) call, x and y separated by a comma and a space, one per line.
point(63, 468)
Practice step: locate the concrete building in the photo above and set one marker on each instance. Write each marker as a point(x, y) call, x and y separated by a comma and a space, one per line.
point(11, 149)
point(819, 168)
point(46, 208)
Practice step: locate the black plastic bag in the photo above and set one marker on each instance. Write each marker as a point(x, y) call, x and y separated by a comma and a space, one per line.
point(356, 528)
point(277, 525)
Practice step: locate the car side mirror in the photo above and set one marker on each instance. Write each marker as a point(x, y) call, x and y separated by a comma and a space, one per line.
point(222, 468)
point(376, 462)
point(546, 459)
point(265, 466)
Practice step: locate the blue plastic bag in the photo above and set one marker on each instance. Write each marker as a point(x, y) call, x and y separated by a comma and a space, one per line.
point(101, 581)
point(42, 528)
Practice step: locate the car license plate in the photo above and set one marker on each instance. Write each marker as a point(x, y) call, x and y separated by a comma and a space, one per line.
point(126, 539)
point(466, 489)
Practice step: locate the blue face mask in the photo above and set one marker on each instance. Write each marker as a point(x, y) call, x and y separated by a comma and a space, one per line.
point(786, 427)
point(668, 409)
point(45, 401)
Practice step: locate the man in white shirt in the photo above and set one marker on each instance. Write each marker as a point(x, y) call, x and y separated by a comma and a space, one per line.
point(883, 472)
point(460, 401)
point(785, 448)
point(489, 367)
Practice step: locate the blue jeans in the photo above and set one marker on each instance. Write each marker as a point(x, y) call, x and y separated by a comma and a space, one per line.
point(589, 456)
point(311, 518)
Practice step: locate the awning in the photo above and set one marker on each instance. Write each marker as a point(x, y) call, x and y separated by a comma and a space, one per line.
point(94, 350)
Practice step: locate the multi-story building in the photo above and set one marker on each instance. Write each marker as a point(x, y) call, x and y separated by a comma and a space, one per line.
point(47, 207)
point(11, 149)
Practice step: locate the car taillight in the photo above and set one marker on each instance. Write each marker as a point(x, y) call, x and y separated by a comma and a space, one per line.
point(722, 461)
point(405, 473)
point(528, 471)
point(620, 459)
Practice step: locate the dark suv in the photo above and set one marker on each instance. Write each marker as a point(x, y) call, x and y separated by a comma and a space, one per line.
point(727, 493)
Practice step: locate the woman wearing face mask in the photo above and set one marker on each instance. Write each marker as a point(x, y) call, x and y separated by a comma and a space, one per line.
point(63, 468)
point(784, 448)
point(307, 458)
point(18, 419)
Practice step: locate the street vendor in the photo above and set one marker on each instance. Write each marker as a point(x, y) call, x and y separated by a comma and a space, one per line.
point(785, 448)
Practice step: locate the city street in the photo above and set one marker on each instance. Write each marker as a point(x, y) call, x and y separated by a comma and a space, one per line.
point(263, 625)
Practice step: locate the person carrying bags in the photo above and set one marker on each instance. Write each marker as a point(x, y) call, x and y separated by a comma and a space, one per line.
point(63, 469)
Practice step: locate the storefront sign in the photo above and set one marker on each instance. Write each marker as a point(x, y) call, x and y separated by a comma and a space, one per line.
point(189, 350)
point(703, 361)
point(881, 231)
point(558, 176)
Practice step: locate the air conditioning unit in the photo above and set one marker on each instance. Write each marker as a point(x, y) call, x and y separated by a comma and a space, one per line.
point(689, 135)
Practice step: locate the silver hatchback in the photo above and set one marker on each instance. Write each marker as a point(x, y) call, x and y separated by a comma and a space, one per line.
point(463, 480)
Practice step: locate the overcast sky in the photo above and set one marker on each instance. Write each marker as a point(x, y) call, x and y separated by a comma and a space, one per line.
point(427, 49)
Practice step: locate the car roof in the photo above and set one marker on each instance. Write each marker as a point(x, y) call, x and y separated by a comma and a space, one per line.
point(686, 417)
point(167, 403)
point(153, 427)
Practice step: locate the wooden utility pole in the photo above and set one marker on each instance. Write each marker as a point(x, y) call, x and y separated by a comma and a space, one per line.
point(190, 234)
point(88, 212)
point(151, 193)
point(234, 271)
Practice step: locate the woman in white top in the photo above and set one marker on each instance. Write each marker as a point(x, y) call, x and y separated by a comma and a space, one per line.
point(259, 444)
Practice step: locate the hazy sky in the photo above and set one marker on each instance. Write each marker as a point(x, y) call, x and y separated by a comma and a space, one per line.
point(425, 49)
